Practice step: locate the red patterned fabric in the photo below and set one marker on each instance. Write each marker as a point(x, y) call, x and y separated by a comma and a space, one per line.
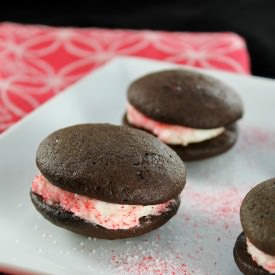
point(37, 62)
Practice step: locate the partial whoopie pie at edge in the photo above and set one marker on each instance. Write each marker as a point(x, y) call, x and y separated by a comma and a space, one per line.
point(258, 222)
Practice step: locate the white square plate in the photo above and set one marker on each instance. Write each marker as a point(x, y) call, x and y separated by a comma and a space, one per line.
point(198, 240)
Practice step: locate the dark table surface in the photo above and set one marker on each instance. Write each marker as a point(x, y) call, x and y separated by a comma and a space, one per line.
point(252, 19)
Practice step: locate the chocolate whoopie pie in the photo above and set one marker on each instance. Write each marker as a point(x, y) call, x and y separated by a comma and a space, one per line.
point(193, 113)
point(107, 181)
point(254, 250)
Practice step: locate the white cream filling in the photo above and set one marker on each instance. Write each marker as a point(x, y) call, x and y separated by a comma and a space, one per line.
point(108, 215)
point(264, 260)
point(183, 136)
point(171, 134)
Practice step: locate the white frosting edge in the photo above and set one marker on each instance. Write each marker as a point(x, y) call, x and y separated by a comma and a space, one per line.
point(264, 260)
point(171, 134)
point(108, 215)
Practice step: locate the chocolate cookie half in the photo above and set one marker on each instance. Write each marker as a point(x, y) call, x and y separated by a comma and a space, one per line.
point(254, 250)
point(107, 181)
point(186, 110)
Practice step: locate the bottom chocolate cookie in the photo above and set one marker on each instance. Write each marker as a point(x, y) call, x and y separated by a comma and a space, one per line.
point(205, 149)
point(58, 216)
point(244, 261)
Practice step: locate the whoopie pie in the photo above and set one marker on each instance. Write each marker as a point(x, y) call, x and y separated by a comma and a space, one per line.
point(254, 250)
point(107, 181)
point(193, 113)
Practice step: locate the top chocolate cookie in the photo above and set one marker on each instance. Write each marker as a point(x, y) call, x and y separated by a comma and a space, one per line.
point(258, 216)
point(185, 98)
point(112, 163)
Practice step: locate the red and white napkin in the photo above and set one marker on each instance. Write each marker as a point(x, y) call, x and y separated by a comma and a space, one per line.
point(37, 62)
